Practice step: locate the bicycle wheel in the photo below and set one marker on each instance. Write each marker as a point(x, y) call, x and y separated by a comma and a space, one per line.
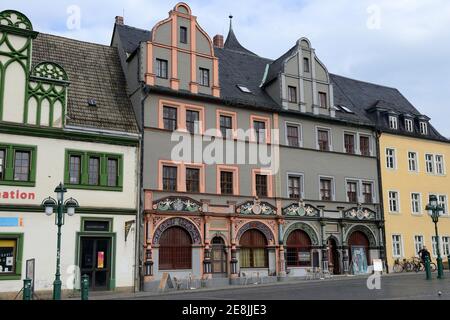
point(398, 268)
point(433, 267)
point(409, 267)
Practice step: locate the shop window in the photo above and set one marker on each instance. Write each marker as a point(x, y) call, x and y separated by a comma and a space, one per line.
point(175, 250)
point(298, 249)
point(253, 252)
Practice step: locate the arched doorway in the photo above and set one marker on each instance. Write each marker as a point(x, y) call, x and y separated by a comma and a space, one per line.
point(359, 252)
point(253, 251)
point(298, 249)
point(218, 257)
point(175, 249)
point(333, 257)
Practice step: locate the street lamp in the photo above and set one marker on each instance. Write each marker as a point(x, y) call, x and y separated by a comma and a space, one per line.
point(50, 205)
point(434, 209)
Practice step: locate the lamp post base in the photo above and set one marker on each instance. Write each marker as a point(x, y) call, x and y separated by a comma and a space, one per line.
point(440, 267)
point(57, 290)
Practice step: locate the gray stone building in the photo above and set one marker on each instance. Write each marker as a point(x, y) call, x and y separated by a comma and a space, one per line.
point(310, 202)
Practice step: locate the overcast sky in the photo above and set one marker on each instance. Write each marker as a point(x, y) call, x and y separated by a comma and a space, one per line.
point(398, 43)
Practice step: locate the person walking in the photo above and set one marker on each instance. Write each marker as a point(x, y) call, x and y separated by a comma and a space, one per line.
point(424, 253)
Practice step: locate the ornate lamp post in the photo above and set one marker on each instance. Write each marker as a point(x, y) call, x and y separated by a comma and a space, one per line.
point(69, 206)
point(435, 211)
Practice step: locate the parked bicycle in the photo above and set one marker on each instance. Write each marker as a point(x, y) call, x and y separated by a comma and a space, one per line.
point(419, 266)
point(405, 265)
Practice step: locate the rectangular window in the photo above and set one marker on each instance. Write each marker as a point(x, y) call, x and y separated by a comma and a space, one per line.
point(226, 182)
point(260, 131)
point(418, 244)
point(192, 180)
point(409, 125)
point(446, 246)
point(161, 68)
point(75, 169)
point(323, 100)
point(113, 172)
point(226, 126)
point(393, 202)
point(94, 171)
point(292, 94)
point(423, 128)
point(204, 77)
point(2, 163)
point(412, 161)
point(170, 178)
point(293, 136)
point(170, 118)
point(183, 35)
point(364, 145)
point(323, 140)
point(352, 191)
point(390, 159)
point(434, 243)
point(192, 121)
point(397, 245)
point(294, 187)
point(8, 256)
point(306, 65)
point(349, 142)
point(261, 185)
point(429, 163)
point(393, 122)
point(367, 192)
point(416, 207)
point(325, 189)
point(439, 164)
point(21, 165)
point(443, 203)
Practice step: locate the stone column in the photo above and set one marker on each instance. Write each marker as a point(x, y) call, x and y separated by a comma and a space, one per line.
point(234, 260)
point(207, 271)
point(148, 259)
point(324, 245)
point(345, 258)
point(282, 265)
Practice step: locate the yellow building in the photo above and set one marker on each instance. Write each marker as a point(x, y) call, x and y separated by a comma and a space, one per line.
point(413, 168)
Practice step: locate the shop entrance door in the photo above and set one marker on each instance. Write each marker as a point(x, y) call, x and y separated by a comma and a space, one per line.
point(219, 258)
point(95, 261)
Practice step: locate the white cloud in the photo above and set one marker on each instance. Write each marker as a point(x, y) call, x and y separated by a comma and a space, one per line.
point(409, 51)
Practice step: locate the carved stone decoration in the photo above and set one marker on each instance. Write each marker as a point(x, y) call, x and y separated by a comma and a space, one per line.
point(259, 226)
point(304, 227)
point(301, 209)
point(49, 70)
point(360, 213)
point(364, 229)
point(178, 204)
point(178, 222)
point(156, 220)
point(197, 221)
point(256, 207)
point(15, 19)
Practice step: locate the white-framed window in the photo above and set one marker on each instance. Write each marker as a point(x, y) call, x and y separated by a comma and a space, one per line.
point(434, 243)
point(443, 203)
point(293, 134)
point(326, 188)
point(423, 128)
point(397, 251)
point(295, 185)
point(412, 161)
point(446, 246)
point(416, 203)
point(418, 244)
point(390, 158)
point(409, 125)
point(352, 191)
point(393, 122)
point(323, 138)
point(440, 164)
point(429, 163)
point(394, 203)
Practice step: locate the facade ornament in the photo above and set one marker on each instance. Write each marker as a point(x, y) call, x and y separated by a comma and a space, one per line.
point(256, 207)
point(360, 213)
point(301, 209)
point(179, 204)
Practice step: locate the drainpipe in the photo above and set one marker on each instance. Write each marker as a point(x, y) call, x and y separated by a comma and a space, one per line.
point(381, 197)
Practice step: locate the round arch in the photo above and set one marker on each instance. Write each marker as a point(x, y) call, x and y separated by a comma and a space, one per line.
point(366, 231)
point(193, 231)
point(304, 227)
point(258, 226)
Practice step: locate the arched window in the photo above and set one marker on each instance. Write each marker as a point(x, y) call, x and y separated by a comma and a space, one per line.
point(175, 249)
point(298, 253)
point(253, 252)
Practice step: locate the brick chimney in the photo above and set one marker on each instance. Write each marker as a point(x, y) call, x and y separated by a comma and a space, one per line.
point(119, 20)
point(218, 41)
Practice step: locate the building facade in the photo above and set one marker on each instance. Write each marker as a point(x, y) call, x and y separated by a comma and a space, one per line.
point(65, 117)
point(213, 212)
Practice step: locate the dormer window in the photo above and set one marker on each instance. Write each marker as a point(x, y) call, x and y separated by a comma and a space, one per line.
point(409, 125)
point(423, 128)
point(292, 94)
point(306, 65)
point(393, 122)
point(323, 100)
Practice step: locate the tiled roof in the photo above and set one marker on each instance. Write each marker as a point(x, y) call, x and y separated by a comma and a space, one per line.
point(131, 37)
point(94, 72)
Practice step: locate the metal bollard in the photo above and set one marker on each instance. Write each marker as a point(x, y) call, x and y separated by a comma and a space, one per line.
point(27, 293)
point(428, 268)
point(85, 287)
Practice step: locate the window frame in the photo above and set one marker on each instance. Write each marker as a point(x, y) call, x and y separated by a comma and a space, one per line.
point(397, 202)
point(18, 261)
point(267, 121)
point(269, 182)
point(9, 164)
point(357, 190)
point(299, 131)
point(423, 128)
point(306, 65)
point(422, 243)
point(292, 98)
point(176, 178)
point(332, 186)
point(409, 125)
point(355, 143)
point(413, 212)
point(442, 163)
point(229, 114)
point(330, 139)
point(427, 162)
point(369, 138)
point(393, 122)
point(183, 32)
point(394, 158)
point(416, 161)
point(299, 175)
point(320, 95)
point(103, 173)
point(235, 171)
point(159, 68)
point(202, 72)
point(400, 245)
point(201, 168)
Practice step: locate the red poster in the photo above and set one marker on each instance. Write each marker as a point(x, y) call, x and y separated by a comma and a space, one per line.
point(100, 260)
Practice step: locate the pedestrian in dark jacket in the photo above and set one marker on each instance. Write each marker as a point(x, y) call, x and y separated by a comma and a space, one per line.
point(424, 253)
